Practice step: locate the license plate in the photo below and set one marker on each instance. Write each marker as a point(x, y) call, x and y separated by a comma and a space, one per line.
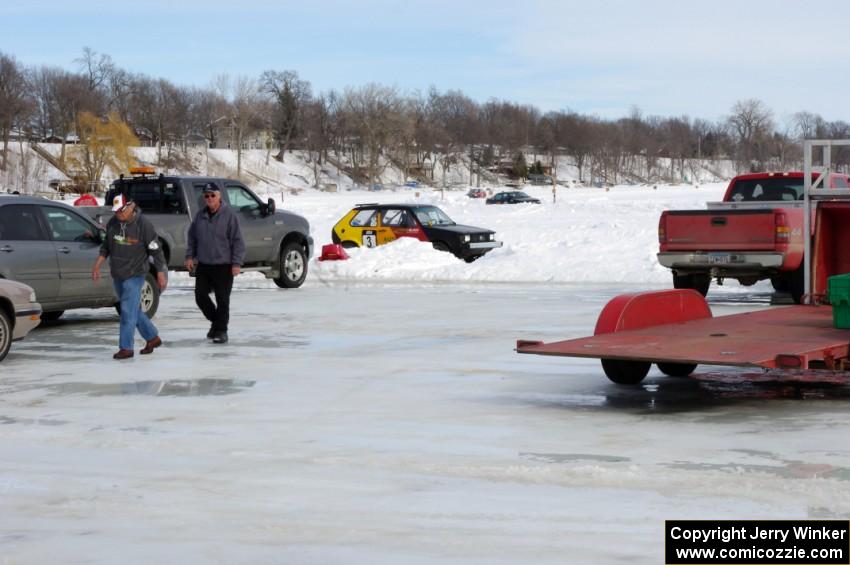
point(719, 258)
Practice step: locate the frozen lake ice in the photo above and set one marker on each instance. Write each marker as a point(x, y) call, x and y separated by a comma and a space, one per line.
point(379, 423)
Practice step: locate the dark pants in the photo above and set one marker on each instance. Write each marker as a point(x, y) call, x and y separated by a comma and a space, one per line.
point(217, 279)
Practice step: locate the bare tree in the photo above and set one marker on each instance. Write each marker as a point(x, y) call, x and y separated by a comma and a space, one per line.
point(207, 108)
point(96, 69)
point(288, 94)
point(243, 110)
point(317, 132)
point(752, 123)
point(376, 113)
point(15, 103)
point(162, 109)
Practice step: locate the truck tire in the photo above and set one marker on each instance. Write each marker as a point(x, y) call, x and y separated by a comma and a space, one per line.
point(625, 372)
point(5, 334)
point(677, 369)
point(796, 284)
point(700, 282)
point(781, 283)
point(293, 266)
point(150, 297)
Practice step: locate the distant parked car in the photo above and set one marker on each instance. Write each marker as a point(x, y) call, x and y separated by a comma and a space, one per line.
point(370, 225)
point(52, 248)
point(512, 197)
point(19, 313)
point(412, 184)
point(477, 193)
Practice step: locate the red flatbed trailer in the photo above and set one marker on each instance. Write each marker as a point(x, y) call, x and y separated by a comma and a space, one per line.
point(676, 330)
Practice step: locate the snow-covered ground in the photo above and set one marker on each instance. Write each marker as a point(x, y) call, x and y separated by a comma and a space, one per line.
point(381, 423)
point(586, 235)
point(379, 413)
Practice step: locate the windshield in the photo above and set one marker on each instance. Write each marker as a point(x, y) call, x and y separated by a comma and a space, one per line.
point(772, 189)
point(519, 194)
point(432, 216)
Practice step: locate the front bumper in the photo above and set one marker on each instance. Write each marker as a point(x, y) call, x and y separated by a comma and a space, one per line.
point(26, 320)
point(476, 249)
point(485, 245)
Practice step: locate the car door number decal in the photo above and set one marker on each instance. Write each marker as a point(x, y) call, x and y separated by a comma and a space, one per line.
point(370, 239)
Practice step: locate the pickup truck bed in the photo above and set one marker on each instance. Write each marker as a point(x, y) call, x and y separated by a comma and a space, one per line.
point(756, 233)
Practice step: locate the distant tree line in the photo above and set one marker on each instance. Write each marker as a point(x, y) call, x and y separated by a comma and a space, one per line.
point(363, 129)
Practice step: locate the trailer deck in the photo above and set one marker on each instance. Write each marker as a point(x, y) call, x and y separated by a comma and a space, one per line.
point(793, 337)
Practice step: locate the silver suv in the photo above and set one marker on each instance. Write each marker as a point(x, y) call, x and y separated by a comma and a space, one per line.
point(52, 248)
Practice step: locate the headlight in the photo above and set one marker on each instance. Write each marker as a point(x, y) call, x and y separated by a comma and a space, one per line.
point(491, 237)
point(466, 239)
point(32, 297)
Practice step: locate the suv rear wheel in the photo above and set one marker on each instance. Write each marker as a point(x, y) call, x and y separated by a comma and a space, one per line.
point(5, 334)
point(150, 297)
point(293, 266)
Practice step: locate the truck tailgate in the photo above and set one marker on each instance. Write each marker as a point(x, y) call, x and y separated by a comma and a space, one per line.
point(695, 230)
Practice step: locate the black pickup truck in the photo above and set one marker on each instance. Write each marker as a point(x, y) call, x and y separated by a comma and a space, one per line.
point(277, 242)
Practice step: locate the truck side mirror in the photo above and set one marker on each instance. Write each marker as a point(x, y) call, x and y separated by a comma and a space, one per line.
point(270, 207)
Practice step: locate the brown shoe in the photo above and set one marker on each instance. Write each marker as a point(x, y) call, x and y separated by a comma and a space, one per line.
point(123, 354)
point(151, 345)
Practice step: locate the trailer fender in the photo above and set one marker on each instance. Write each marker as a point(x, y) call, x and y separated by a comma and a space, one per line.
point(645, 309)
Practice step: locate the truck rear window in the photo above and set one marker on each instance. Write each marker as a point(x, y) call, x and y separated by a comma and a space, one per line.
point(772, 189)
point(155, 197)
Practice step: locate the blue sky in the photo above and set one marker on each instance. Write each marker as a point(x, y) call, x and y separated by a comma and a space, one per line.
point(596, 57)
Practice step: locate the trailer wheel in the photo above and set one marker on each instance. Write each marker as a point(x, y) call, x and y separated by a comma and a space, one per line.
point(699, 282)
point(625, 372)
point(677, 369)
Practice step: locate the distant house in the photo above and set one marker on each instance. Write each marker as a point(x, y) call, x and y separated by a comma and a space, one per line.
point(197, 141)
point(225, 138)
point(70, 139)
point(144, 135)
point(18, 135)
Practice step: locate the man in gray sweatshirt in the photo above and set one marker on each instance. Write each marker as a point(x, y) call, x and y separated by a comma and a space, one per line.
point(214, 253)
point(130, 241)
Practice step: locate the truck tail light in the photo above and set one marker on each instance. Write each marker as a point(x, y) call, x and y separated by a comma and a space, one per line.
point(662, 229)
point(783, 231)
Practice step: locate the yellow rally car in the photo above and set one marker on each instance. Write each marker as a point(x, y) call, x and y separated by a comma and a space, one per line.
point(370, 225)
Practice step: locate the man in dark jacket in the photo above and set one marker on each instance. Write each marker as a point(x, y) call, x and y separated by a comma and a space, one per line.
point(130, 241)
point(215, 252)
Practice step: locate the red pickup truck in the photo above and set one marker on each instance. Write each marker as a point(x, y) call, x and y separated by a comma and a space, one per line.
point(756, 233)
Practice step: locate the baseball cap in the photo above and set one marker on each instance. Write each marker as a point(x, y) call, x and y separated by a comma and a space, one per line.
point(210, 187)
point(118, 202)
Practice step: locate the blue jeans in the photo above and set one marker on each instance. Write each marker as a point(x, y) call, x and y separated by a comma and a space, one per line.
point(129, 293)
